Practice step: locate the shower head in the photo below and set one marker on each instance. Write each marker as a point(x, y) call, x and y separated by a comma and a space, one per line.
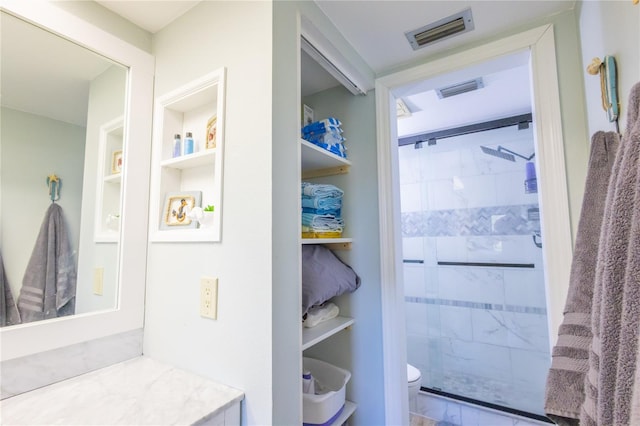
point(498, 153)
point(505, 154)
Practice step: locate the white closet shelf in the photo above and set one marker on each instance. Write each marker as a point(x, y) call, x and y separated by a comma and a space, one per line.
point(324, 330)
point(114, 178)
point(349, 409)
point(201, 158)
point(332, 243)
point(316, 161)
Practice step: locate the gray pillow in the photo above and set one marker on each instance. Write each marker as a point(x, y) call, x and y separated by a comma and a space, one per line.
point(324, 276)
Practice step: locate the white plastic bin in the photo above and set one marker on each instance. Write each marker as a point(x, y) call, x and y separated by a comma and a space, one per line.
point(324, 408)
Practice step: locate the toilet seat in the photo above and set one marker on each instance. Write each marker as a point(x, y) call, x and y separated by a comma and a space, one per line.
point(413, 374)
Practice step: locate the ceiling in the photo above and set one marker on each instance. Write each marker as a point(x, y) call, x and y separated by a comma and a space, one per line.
point(386, 47)
point(59, 90)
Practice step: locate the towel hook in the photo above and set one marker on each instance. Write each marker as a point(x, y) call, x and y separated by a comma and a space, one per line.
point(608, 86)
point(54, 183)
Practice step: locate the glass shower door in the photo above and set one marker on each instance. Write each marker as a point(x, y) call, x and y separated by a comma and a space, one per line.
point(473, 268)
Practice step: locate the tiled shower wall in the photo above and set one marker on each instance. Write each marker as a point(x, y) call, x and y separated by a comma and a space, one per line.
point(479, 332)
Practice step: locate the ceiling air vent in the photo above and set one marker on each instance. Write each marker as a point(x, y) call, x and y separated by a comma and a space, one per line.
point(459, 88)
point(455, 24)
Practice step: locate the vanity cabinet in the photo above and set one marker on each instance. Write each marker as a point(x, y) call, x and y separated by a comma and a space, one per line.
point(109, 181)
point(196, 108)
point(317, 163)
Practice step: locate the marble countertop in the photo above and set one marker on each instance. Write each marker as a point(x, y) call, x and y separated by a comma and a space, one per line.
point(141, 391)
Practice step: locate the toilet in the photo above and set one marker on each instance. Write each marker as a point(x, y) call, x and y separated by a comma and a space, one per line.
point(414, 380)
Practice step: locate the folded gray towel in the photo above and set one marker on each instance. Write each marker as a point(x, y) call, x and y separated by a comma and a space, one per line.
point(565, 381)
point(615, 316)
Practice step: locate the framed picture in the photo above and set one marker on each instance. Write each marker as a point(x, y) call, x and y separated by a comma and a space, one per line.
point(116, 161)
point(212, 130)
point(307, 115)
point(177, 206)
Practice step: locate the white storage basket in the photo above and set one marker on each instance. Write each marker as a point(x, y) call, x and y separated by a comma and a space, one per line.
point(325, 408)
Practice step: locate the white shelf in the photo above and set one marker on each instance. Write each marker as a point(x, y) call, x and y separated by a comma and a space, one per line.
point(197, 159)
point(349, 409)
point(324, 330)
point(325, 240)
point(114, 178)
point(316, 158)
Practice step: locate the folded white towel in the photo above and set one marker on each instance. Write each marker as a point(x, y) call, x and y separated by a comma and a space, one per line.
point(320, 313)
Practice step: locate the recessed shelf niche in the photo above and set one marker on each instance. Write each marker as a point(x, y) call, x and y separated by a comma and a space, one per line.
point(109, 182)
point(189, 108)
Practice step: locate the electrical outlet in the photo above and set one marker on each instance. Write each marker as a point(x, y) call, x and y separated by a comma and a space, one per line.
point(98, 274)
point(209, 297)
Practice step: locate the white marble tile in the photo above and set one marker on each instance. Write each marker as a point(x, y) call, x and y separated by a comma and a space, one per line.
point(527, 331)
point(477, 191)
point(477, 359)
point(413, 248)
point(440, 165)
point(456, 322)
point(414, 279)
point(530, 369)
point(434, 323)
point(416, 318)
point(451, 249)
point(430, 251)
point(489, 326)
point(441, 196)
point(140, 391)
point(411, 197)
point(503, 249)
point(524, 287)
point(483, 285)
point(31, 372)
point(432, 285)
point(409, 164)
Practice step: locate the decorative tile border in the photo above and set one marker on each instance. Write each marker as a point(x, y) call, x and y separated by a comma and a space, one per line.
point(496, 220)
point(477, 305)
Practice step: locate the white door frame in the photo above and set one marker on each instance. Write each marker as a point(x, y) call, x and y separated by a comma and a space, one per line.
point(552, 184)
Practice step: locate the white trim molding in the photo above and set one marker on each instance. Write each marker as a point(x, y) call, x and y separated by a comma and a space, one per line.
point(552, 184)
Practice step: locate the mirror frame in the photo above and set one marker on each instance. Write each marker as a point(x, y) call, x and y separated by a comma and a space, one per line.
point(31, 338)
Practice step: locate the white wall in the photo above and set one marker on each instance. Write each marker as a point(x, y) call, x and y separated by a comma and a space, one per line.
point(106, 103)
point(34, 147)
point(609, 28)
point(235, 349)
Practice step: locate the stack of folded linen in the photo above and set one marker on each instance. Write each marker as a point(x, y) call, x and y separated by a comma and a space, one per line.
point(321, 211)
point(326, 134)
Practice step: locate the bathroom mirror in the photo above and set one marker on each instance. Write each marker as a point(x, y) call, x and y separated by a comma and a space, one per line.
point(52, 124)
point(103, 168)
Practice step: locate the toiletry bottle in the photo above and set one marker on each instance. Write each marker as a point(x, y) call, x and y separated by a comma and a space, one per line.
point(177, 146)
point(308, 385)
point(188, 144)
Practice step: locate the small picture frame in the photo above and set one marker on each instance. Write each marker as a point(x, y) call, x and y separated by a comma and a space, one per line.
point(177, 206)
point(307, 115)
point(212, 133)
point(116, 162)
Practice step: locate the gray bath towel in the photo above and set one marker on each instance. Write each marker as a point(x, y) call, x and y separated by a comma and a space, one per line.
point(615, 314)
point(565, 381)
point(9, 314)
point(49, 283)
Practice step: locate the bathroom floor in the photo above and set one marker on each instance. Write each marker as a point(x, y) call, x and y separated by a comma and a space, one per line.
point(434, 410)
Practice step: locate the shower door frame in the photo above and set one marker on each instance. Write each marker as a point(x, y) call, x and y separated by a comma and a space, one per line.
point(552, 183)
